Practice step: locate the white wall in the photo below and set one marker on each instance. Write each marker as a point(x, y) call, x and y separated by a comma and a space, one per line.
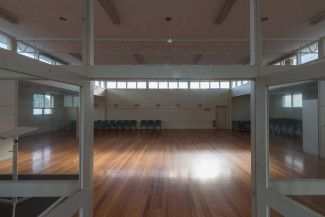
point(240, 108)
point(45, 123)
point(179, 109)
point(322, 118)
point(8, 115)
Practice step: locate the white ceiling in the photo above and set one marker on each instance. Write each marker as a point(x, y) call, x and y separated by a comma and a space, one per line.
point(144, 21)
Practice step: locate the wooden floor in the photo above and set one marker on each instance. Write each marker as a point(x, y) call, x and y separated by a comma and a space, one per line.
point(168, 173)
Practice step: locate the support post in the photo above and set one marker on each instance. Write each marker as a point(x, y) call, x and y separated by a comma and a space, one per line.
point(255, 60)
point(86, 120)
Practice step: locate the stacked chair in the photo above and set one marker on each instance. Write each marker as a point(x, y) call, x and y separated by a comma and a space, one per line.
point(126, 124)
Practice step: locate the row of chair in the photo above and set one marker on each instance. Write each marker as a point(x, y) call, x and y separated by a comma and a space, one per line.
point(125, 124)
point(291, 128)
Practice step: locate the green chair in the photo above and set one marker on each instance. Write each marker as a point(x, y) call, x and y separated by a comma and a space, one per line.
point(97, 125)
point(133, 124)
point(157, 123)
point(126, 125)
point(106, 124)
point(151, 124)
point(119, 125)
point(112, 125)
point(143, 123)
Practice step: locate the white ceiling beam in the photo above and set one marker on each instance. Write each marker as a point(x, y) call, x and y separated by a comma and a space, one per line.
point(298, 187)
point(12, 63)
point(171, 72)
point(37, 188)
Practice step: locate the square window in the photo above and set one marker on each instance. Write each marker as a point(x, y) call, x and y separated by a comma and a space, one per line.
point(183, 85)
point(132, 85)
point(204, 85)
point(111, 85)
point(224, 85)
point(214, 85)
point(172, 85)
point(194, 85)
point(153, 85)
point(121, 85)
point(142, 85)
point(163, 85)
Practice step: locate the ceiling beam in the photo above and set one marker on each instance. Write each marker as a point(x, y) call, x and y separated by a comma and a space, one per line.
point(223, 11)
point(110, 11)
point(8, 16)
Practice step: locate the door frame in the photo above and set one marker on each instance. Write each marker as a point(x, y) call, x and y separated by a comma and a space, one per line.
point(273, 193)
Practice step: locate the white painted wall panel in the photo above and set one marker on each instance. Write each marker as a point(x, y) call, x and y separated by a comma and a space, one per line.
point(310, 126)
point(8, 115)
point(179, 109)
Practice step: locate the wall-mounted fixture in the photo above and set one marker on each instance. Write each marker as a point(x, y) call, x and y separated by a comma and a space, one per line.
point(8, 16)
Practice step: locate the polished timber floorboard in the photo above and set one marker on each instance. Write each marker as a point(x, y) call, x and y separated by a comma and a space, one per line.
point(168, 173)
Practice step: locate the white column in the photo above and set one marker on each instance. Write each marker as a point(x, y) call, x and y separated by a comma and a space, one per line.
point(321, 122)
point(86, 113)
point(256, 59)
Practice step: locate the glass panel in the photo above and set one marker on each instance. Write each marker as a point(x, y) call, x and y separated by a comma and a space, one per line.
point(111, 85)
point(224, 85)
point(142, 85)
point(37, 111)
point(38, 101)
point(173, 85)
point(132, 85)
point(294, 131)
point(48, 111)
point(121, 85)
point(153, 85)
point(163, 85)
point(183, 85)
point(49, 101)
point(204, 85)
point(194, 85)
point(214, 85)
point(4, 42)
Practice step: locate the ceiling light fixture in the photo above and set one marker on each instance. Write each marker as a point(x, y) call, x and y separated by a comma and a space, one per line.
point(317, 19)
point(8, 16)
point(110, 11)
point(224, 10)
point(168, 19)
point(63, 18)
